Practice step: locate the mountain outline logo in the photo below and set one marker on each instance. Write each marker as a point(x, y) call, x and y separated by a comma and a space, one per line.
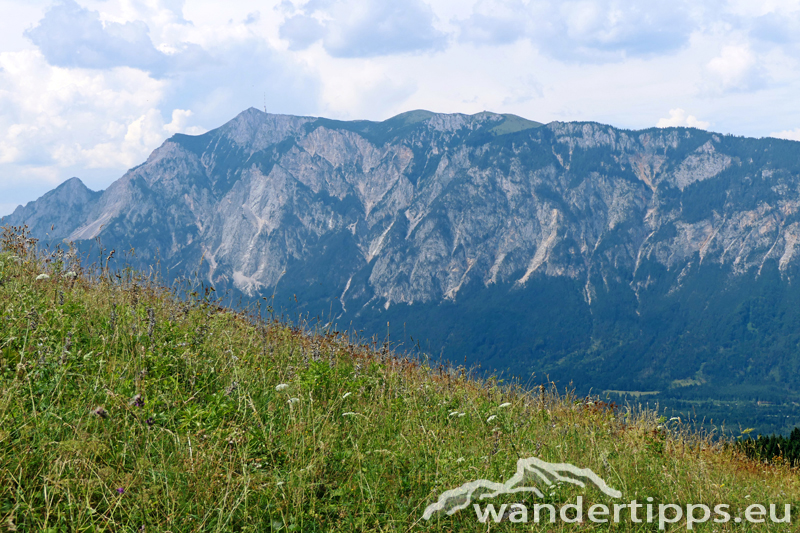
point(531, 469)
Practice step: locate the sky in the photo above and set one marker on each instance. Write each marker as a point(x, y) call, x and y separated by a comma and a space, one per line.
point(89, 88)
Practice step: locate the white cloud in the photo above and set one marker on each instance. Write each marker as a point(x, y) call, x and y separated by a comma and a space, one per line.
point(790, 135)
point(364, 28)
point(62, 108)
point(736, 69)
point(52, 115)
point(495, 22)
point(99, 84)
point(679, 118)
point(129, 144)
point(584, 30)
point(779, 27)
point(70, 35)
point(180, 118)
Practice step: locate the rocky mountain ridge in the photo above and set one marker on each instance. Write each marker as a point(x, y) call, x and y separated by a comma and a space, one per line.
point(371, 220)
point(431, 210)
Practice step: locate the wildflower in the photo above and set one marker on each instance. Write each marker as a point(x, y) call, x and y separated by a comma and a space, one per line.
point(99, 411)
point(42, 277)
point(230, 389)
point(346, 394)
point(460, 460)
point(461, 414)
point(350, 413)
point(21, 371)
point(136, 401)
point(281, 387)
point(491, 418)
point(504, 405)
point(70, 274)
point(454, 413)
point(149, 421)
point(675, 418)
point(293, 400)
point(121, 490)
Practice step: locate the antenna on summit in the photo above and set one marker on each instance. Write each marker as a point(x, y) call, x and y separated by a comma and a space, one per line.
point(265, 103)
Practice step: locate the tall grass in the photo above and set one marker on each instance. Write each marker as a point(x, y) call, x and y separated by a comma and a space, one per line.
point(124, 407)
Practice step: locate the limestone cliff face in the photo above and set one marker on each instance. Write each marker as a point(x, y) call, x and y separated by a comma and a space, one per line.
point(58, 211)
point(414, 208)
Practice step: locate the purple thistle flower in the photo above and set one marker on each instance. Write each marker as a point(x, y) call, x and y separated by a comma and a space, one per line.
point(121, 490)
point(137, 401)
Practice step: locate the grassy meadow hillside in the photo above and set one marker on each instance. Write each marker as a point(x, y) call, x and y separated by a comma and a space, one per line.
point(127, 406)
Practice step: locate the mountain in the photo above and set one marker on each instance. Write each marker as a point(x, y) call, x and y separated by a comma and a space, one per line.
point(56, 209)
point(659, 262)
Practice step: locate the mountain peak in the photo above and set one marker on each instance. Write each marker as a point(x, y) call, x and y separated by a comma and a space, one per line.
point(58, 212)
point(256, 129)
point(73, 184)
point(498, 123)
point(414, 116)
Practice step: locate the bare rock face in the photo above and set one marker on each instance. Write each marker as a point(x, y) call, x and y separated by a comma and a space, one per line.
point(416, 209)
point(431, 202)
point(57, 212)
